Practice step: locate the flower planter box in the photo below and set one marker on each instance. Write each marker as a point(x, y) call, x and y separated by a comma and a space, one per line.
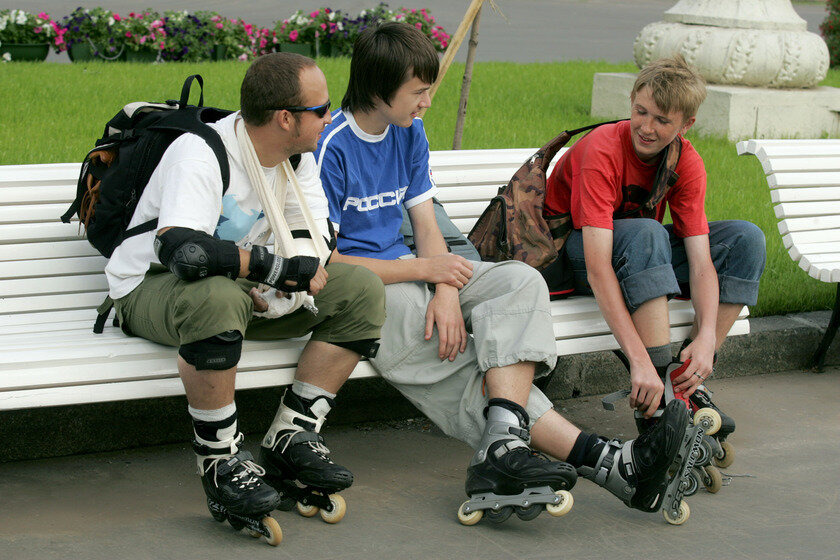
point(142, 55)
point(25, 52)
point(84, 52)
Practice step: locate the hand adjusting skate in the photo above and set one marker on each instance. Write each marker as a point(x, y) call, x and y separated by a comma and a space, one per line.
point(506, 476)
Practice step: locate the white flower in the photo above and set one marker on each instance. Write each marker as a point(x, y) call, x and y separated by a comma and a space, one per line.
point(94, 19)
point(340, 26)
point(111, 21)
point(332, 16)
point(4, 21)
point(7, 57)
point(20, 19)
point(363, 13)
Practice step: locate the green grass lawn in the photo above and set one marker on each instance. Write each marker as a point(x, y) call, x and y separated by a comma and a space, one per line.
point(54, 113)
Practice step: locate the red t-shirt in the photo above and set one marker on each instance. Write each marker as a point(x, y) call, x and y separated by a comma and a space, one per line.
point(592, 176)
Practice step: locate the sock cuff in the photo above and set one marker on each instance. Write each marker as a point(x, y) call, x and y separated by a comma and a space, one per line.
point(309, 391)
point(215, 415)
point(660, 355)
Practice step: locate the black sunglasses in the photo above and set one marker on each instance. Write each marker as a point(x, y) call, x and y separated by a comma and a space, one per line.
point(319, 110)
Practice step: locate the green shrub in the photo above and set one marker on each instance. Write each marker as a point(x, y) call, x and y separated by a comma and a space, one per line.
point(830, 29)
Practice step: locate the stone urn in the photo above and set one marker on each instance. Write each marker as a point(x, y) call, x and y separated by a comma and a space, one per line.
point(760, 43)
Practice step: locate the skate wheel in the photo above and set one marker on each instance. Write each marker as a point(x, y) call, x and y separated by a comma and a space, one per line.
point(563, 507)
point(681, 517)
point(692, 483)
point(528, 513)
point(727, 455)
point(500, 515)
point(709, 418)
point(275, 533)
point(470, 518)
point(339, 508)
point(307, 510)
point(713, 481)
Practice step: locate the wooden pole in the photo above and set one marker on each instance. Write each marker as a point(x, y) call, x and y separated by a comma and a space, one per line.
point(465, 85)
point(455, 44)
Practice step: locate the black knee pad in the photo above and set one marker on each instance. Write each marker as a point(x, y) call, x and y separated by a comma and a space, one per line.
point(219, 352)
point(366, 348)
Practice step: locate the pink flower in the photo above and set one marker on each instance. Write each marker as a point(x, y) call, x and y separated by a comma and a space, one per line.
point(418, 25)
point(128, 34)
point(315, 13)
point(333, 27)
point(293, 35)
point(263, 43)
point(248, 28)
point(220, 25)
point(414, 11)
point(37, 29)
point(132, 14)
point(143, 40)
point(243, 57)
point(117, 17)
point(162, 45)
point(43, 15)
point(323, 26)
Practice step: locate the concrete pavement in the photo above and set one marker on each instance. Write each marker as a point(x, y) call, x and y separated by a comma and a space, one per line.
point(147, 503)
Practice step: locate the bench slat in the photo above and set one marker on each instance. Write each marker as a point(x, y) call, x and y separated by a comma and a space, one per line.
point(805, 194)
point(32, 233)
point(24, 287)
point(806, 237)
point(52, 267)
point(808, 224)
point(29, 213)
point(793, 180)
point(804, 209)
point(56, 249)
point(55, 302)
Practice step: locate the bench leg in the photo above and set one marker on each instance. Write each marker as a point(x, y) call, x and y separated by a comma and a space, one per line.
point(830, 331)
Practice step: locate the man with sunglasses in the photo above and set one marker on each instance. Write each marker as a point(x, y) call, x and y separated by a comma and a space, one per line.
point(193, 284)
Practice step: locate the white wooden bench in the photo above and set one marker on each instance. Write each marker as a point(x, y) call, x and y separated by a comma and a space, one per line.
point(51, 281)
point(804, 181)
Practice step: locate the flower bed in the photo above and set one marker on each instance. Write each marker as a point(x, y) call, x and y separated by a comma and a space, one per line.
point(101, 34)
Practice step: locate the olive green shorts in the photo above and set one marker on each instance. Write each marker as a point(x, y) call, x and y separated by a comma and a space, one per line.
point(164, 309)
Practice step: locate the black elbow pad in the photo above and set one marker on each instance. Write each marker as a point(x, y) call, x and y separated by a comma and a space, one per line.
point(192, 255)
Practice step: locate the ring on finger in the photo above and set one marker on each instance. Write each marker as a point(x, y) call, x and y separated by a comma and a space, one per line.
point(700, 377)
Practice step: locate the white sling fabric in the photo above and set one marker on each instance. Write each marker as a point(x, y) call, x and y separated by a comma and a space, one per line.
point(273, 203)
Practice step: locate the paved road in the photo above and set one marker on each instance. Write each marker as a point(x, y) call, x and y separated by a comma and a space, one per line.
point(531, 30)
point(782, 503)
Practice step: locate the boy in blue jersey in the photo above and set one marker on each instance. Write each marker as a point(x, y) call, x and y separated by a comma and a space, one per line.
point(373, 158)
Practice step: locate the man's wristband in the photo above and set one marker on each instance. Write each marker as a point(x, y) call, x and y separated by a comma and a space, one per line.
point(265, 267)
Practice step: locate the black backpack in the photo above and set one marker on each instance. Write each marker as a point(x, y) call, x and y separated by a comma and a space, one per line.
point(115, 172)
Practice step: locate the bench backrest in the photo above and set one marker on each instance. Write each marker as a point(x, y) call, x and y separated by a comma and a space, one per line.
point(804, 181)
point(47, 267)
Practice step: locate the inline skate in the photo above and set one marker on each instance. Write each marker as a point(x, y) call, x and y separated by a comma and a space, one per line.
point(505, 476)
point(236, 492)
point(297, 463)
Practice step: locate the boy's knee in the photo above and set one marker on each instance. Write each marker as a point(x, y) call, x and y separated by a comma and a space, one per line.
point(751, 240)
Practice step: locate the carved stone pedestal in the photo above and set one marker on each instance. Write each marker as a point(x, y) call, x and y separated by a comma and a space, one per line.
point(735, 44)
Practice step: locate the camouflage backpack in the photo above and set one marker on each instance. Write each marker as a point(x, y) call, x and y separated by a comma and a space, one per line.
point(513, 227)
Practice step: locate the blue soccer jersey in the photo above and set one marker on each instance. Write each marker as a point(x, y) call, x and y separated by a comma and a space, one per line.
point(366, 177)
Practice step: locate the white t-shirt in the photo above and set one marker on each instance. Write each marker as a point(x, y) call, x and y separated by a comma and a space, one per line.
point(185, 190)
